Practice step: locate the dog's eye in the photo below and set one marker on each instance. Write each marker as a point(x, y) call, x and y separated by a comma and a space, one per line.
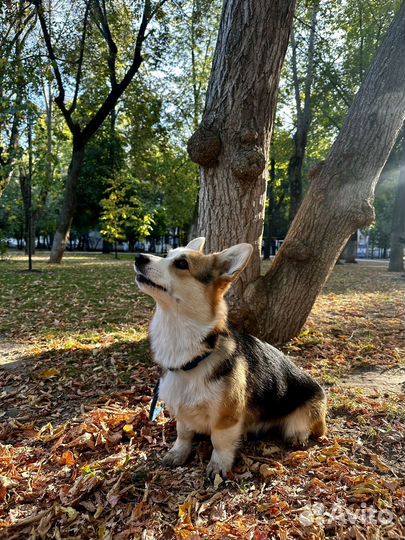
point(182, 264)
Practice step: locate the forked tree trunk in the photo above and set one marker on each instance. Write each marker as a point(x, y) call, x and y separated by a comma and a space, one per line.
point(232, 142)
point(82, 135)
point(338, 201)
point(396, 263)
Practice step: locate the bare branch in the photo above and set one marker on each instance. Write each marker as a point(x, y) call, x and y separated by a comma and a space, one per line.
point(104, 27)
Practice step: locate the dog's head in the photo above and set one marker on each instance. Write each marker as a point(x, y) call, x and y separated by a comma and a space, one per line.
point(188, 281)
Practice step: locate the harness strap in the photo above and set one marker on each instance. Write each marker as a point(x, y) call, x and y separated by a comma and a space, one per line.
point(211, 341)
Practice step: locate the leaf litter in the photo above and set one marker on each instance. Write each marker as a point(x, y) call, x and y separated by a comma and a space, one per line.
point(80, 459)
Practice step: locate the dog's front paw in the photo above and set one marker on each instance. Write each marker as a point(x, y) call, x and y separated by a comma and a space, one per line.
point(175, 458)
point(219, 465)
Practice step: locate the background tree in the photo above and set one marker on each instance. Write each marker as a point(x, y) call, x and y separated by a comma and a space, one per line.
point(16, 25)
point(396, 263)
point(94, 17)
point(302, 94)
point(338, 201)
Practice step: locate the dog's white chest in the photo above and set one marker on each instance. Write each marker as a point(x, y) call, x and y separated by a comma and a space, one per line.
point(189, 399)
point(179, 390)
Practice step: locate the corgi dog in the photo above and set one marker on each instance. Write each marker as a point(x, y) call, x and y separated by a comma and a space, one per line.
point(215, 380)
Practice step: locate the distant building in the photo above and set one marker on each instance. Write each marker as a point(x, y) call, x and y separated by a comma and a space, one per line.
point(362, 244)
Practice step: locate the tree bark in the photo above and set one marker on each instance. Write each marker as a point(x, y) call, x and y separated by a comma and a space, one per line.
point(338, 201)
point(300, 137)
point(232, 142)
point(396, 263)
point(61, 237)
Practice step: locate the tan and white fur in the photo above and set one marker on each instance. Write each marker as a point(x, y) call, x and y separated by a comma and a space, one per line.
point(242, 384)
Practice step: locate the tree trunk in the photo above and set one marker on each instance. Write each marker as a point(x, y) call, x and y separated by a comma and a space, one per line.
point(233, 139)
point(338, 201)
point(396, 263)
point(46, 184)
point(69, 201)
point(270, 211)
point(295, 165)
point(300, 138)
point(6, 164)
point(350, 250)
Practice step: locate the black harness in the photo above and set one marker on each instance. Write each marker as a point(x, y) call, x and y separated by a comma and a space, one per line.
point(210, 341)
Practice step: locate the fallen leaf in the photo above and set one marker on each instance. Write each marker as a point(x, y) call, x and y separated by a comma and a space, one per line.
point(266, 471)
point(217, 481)
point(381, 466)
point(296, 457)
point(49, 373)
point(71, 512)
point(68, 458)
point(185, 511)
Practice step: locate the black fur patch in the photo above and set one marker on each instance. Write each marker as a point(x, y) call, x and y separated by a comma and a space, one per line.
point(224, 369)
point(277, 386)
point(205, 277)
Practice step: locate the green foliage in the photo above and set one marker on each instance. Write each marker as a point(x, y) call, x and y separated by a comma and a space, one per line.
point(186, 66)
point(380, 231)
point(104, 158)
point(123, 212)
point(281, 149)
point(347, 37)
point(136, 174)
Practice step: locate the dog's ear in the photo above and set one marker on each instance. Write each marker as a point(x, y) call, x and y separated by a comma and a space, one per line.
point(197, 244)
point(233, 260)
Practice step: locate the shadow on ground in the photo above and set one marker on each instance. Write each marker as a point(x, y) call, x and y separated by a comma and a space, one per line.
point(60, 383)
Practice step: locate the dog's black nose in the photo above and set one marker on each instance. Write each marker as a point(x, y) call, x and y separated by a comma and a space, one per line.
point(141, 259)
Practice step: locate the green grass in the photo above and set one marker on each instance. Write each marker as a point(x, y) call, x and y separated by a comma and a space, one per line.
point(81, 301)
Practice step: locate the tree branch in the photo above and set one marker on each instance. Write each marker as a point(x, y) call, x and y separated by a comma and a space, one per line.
point(80, 62)
point(309, 74)
point(295, 75)
point(17, 23)
point(119, 89)
point(60, 98)
point(158, 6)
point(104, 27)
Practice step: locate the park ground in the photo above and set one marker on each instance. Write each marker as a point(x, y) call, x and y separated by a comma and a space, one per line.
point(80, 460)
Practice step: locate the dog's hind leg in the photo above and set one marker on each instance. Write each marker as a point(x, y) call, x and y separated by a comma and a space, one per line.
point(296, 427)
point(307, 420)
point(181, 449)
point(318, 427)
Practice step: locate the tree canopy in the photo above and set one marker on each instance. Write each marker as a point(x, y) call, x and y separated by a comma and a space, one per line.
point(135, 168)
